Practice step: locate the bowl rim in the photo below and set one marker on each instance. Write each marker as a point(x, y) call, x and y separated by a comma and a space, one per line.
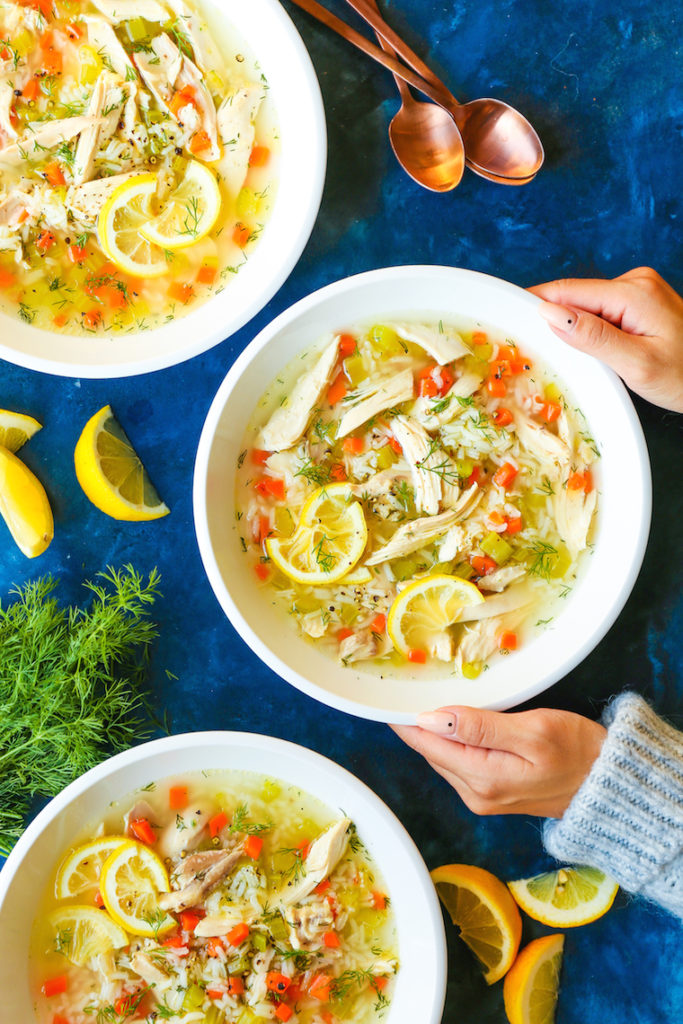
point(317, 160)
point(203, 741)
point(588, 643)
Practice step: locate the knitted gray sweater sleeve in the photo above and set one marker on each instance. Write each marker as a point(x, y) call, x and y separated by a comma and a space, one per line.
point(627, 817)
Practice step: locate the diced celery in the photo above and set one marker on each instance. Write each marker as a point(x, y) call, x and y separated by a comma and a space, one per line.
point(90, 65)
point(386, 457)
point(259, 942)
point(386, 339)
point(154, 116)
point(23, 42)
point(534, 500)
point(348, 613)
point(240, 965)
point(484, 351)
point(464, 468)
point(497, 548)
point(355, 369)
point(214, 1016)
point(247, 1016)
point(278, 928)
point(284, 522)
point(561, 563)
point(473, 364)
point(306, 603)
point(194, 997)
point(552, 392)
point(349, 898)
point(464, 570)
point(248, 203)
point(441, 568)
point(404, 568)
point(372, 918)
point(271, 790)
point(137, 30)
point(179, 165)
point(472, 669)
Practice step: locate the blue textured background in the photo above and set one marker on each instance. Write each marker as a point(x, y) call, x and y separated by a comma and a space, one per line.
point(601, 82)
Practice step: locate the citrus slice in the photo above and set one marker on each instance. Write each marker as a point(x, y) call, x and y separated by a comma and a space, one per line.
point(426, 608)
point(111, 473)
point(532, 983)
point(128, 208)
point(190, 211)
point(16, 429)
point(24, 505)
point(82, 933)
point(567, 897)
point(131, 881)
point(487, 916)
point(357, 577)
point(328, 541)
point(80, 870)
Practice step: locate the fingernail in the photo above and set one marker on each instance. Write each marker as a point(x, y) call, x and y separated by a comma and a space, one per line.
point(558, 317)
point(440, 722)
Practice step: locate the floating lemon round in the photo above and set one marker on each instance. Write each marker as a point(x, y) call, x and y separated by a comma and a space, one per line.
point(132, 879)
point(190, 211)
point(16, 429)
point(24, 505)
point(487, 916)
point(532, 984)
point(128, 208)
point(329, 539)
point(565, 898)
point(111, 473)
point(82, 933)
point(80, 870)
point(426, 608)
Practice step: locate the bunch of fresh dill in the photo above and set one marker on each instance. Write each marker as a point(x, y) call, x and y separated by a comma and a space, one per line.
point(71, 685)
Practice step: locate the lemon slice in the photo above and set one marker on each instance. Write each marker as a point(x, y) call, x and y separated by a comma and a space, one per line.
point(487, 916)
point(426, 608)
point(531, 987)
point(328, 541)
point(190, 211)
point(357, 577)
point(127, 209)
point(567, 897)
point(24, 505)
point(111, 473)
point(131, 881)
point(16, 429)
point(80, 870)
point(82, 933)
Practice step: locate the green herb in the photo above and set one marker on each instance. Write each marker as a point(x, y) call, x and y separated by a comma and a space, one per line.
point(405, 494)
point(444, 469)
point(439, 405)
point(180, 823)
point(124, 1009)
point(302, 959)
point(192, 218)
point(240, 824)
point(104, 57)
point(63, 941)
point(319, 475)
point(544, 562)
point(81, 240)
point(240, 458)
point(156, 919)
point(5, 44)
point(71, 686)
point(325, 559)
point(342, 986)
point(546, 487)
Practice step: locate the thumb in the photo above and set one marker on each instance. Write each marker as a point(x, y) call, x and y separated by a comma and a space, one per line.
point(594, 336)
point(474, 727)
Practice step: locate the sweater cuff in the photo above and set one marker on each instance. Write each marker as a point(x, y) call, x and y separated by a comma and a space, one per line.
point(627, 817)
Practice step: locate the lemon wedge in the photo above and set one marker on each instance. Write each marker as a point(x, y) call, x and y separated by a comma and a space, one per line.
point(82, 933)
point(16, 429)
point(80, 870)
point(111, 473)
point(190, 211)
point(425, 609)
point(531, 987)
point(24, 505)
point(128, 208)
point(328, 541)
point(132, 879)
point(567, 897)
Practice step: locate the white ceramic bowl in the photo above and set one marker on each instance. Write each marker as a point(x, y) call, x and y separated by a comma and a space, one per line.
point(274, 41)
point(421, 982)
point(623, 510)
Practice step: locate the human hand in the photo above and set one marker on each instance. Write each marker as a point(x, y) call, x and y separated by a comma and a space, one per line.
point(531, 762)
point(633, 323)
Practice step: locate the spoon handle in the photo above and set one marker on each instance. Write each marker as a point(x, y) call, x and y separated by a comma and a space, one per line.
point(402, 87)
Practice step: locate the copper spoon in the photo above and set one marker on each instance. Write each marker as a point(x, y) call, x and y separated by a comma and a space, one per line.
point(425, 138)
point(499, 141)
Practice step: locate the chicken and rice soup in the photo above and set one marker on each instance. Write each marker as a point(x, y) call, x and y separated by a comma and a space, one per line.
point(215, 898)
point(138, 156)
point(414, 493)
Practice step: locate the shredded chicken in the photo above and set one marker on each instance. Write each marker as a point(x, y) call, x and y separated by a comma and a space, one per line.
point(443, 345)
point(289, 421)
point(104, 109)
point(198, 875)
point(309, 923)
point(360, 645)
point(573, 512)
point(423, 462)
point(85, 201)
point(413, 535)
point(519, 596)
point(150, 972)
point(45, 135)
point(105, 42)
point(235, 120)
point(324, 855)
point(223, 921)
point(117, 11)
point(548, 448)
point(499, 579)
point(480, 641)
point(381, 395)
point(185, 832)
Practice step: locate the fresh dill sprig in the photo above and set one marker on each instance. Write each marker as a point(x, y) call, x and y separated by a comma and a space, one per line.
point(240, 823)
point(544, 561)
point(315, 474)
point(71, 685)
point(325, 559)
point(155, 919)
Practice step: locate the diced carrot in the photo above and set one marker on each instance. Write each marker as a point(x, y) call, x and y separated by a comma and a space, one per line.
point(235, 986)
point(241, 235)
point(259, 156)
point(322, 886)
point(502, 417)
point(504, 476)
point(507, 352)
point(215, 993)
point(353, 445)
point(181, 99)
point(77, 253)
point(551, 411)
point(507, 641)
point(259, 456)
point(416, 655)
point(480, 338)
point(92, 318)
point(514, 524)
point(114, 297)
point(319, 987)
point(343, 633)
point(337, 389)
point(181, 292)
point(519, 365)
point(395, 446)
point(45, 240)
point(54, 986)
point(58, 1019)
point(379, 901)
point(199, 141)
point(74, 30)
point(31, 90)
point(142, 830)
point(51, 60)
point(328, 1018)
point(283, 1012)
point(272, 485)
point(474, 476)
point(276, 982)
point(177, 798)
point(262, 571)
point(214, 947)
point(44, 6)
point(217, 823)
point(206, 274)
point(331, 940)
point(347, 345)
point(54, 175)
point(482, 564)
point(189, 919)
point(5, 53)
point(304, 848)
point(253, 846)
point(98, 899)
point(7, 278)
point(587, 481)
point(261, 529)
point(496, 387)
point(580, 481)
point(379, 623)
point(337, 472)
point(496, 518)
point(379, 983)
point(428, 387)
point(238, 934)
point(177, 943)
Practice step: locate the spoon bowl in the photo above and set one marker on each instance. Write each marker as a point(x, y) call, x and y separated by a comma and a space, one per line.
point(427, 144)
